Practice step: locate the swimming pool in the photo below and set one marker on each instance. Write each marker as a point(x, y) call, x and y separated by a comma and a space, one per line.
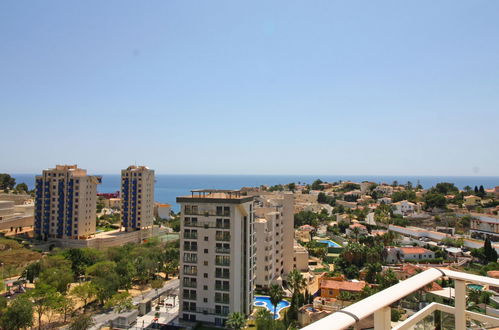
point(475, 286)
point(330, 243)
point(263, 301)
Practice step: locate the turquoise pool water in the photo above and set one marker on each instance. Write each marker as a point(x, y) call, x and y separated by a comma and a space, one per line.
point(263, 301)
point(475, 286)
point(330, 243)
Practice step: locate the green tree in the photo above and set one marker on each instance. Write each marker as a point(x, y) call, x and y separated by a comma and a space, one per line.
point(127, 271)
point(7, 182)
point(57, 277)
point(264, 319)
point(82, 322)
point(387, 279)
point(296, 281)
point(18, 315)
point(82, 258)
point(316, 185)
point(105, 279)
point(236, 321)
point(435, 200)
point(22, 187)
point(45, 298)
point(291, 186)
point(65, 306)
point(489, 251)
point(84, 292)
point(372, 272)
point(395, 315)
point(485, 299)
point(120, 302)
point(276, 294)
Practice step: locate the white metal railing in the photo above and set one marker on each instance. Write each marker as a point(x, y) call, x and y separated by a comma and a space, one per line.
point(379, 303)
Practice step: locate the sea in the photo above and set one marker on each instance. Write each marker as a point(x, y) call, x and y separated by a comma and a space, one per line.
point(170, 186)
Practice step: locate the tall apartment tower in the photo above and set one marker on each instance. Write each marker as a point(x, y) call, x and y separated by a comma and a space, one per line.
point(274, 234)
point(65, 203)
point(217, 248)
point(137, 198)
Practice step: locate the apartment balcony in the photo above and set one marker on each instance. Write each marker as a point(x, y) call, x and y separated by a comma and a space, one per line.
point(222, 251)
point(379, 305)
point(222, 288)
point(210, 311)
point(222, 263)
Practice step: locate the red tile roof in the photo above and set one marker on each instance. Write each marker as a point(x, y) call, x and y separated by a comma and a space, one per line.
point(342, 285)
point(414, 250)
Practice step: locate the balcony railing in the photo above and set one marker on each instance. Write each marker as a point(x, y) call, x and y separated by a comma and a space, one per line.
point(379, 303)
point(222, 251)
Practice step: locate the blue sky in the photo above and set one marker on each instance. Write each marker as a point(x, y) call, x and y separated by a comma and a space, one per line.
point(251, 87)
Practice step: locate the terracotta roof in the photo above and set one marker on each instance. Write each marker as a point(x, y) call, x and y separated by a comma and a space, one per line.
point(414, 250)
point(493, 273)
point(411, 269)
point(342, 285)
point(358, 225)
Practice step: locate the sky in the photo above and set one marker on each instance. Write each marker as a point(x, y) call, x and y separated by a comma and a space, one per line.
point(251, 87)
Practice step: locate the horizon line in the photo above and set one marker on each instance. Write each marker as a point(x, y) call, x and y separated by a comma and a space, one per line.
point(318, 175)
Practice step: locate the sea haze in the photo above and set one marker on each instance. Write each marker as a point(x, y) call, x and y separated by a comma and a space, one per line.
point(168, 186)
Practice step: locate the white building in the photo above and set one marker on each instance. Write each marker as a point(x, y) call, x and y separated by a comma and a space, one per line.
point(401, 254)
point(384, 189)
point(163, 211)
point(65, 203)
point(137, 198)
point(404, 208)
point(217, 248)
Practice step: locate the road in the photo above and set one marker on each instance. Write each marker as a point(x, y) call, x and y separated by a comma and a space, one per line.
point(103, 318)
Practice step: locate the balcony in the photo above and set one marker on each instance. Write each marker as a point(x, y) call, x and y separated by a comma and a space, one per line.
point(190, 235)
point(225, 263)
point(379, 304)
point(222, 288)
point(222, 251)
point(189, 296)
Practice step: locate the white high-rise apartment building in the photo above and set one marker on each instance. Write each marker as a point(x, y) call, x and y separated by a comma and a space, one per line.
point(137, 198)
point(274, 235)
point(65, 203)
point(217, 249)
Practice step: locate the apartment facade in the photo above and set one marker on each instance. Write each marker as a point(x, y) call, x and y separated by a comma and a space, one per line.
point(217, 248)
point(137, 198)
point(274, 235)
point(65, 203)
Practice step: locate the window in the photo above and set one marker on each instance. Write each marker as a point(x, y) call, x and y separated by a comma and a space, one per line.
point(222, 260)
point(222, 273)
point(190, 258)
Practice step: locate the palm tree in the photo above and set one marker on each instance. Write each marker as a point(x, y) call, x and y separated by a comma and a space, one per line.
point(356, 233)
point(276, 294)
point(474, 296)
point(485, 299)
point(236, 321)
point(296, 281)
